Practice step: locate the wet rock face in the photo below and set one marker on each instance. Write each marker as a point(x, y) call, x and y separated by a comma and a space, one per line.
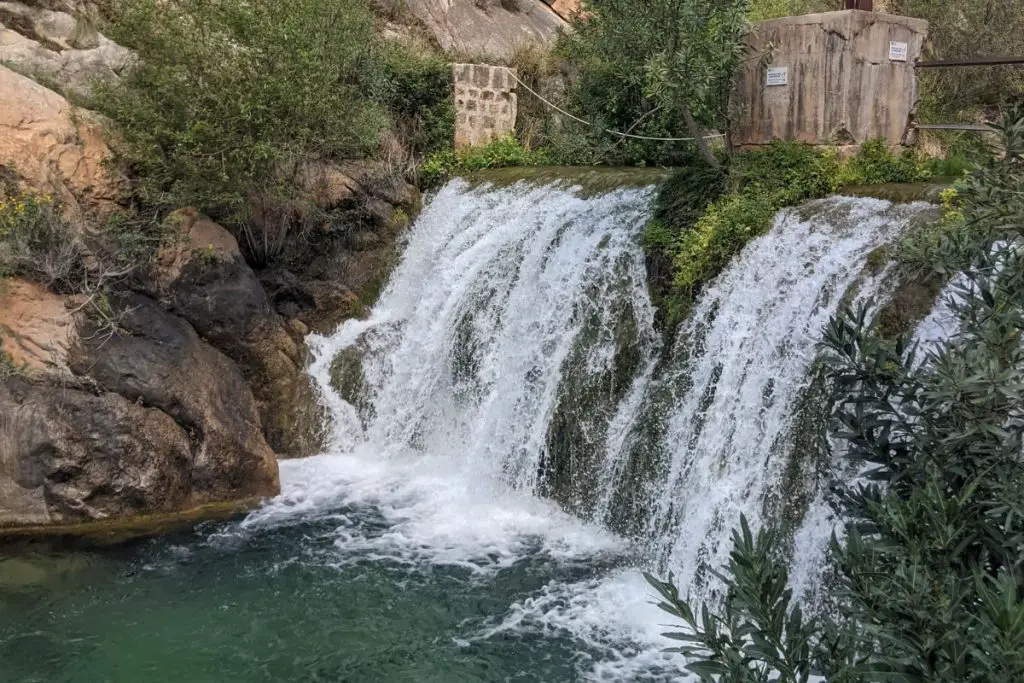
point(150, 419)
point(203, 279)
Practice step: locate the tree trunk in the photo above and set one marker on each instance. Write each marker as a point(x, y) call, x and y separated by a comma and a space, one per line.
point(698, 137)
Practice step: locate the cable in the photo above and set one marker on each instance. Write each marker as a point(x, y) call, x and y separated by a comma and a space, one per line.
point(606, 130)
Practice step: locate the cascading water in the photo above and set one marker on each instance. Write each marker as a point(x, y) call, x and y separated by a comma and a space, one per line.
point(746, 355)
point(512, 440)
point(513, 358)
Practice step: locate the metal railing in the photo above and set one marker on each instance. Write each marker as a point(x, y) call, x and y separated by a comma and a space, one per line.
point(951, 63)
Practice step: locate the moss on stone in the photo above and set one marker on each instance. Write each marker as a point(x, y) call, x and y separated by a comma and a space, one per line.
point(118, 530)
point(898, 192)
point(588, 181)
point(878, 259)
point(909, 305)
point(347, 375)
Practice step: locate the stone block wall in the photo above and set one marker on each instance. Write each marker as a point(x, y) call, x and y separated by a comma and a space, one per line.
point(485, 103)
point(836, 78)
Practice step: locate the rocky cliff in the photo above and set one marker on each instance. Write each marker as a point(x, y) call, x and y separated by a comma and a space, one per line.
point(168, 390)
point(491, 29)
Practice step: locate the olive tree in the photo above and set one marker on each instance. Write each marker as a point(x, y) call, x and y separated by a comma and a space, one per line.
point(662, 60)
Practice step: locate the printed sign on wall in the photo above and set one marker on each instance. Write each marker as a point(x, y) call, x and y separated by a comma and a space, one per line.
point(897, 51)
point(778, 75)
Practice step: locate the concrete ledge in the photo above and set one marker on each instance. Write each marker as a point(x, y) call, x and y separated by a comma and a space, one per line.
point(837, 17)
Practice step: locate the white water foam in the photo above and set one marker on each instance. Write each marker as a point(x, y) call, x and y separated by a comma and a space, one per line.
point(463, 359)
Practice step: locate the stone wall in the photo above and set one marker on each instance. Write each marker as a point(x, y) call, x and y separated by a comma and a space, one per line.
point(837, 78)
point(485, 103)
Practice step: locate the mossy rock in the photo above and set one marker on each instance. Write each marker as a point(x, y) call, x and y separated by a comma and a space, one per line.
point(909, 305)
point(349, 380)
point(900, 193)
point(104, 532)
point(588, 181)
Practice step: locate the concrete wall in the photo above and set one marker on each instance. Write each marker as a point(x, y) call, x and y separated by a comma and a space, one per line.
point(843, 84)
point(485, 103)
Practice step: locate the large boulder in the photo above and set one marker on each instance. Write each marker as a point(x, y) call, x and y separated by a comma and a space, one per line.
point(68, 455)
point(203, 278)
point(108, 419)
point(58, 47)
point(156, 359)
point(54, 147)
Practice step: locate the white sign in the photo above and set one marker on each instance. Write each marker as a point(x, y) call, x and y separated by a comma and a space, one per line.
point(778, 75)
point(897, 51)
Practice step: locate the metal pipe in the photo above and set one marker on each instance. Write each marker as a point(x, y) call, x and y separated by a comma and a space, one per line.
point(984, 61)
point(953, 126)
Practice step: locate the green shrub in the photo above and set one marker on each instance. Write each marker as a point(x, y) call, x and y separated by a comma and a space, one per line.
point(875, 163)
point(228, 96)
point(789, 172)
point(8, 368)
point(760, 183)
point(771, 9)
point(704, 219)
point(652, 68)
point(37, 243)
point(417, 91)
point(503, 152)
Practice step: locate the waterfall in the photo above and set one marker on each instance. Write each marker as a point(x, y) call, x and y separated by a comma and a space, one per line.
point(748, 350)
point(509, 397)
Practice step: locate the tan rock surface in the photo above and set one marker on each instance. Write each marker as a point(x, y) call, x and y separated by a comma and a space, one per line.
point(567, 9)
point(37, 328)
point(58, 47)
point(486, 28)
point(55, 147)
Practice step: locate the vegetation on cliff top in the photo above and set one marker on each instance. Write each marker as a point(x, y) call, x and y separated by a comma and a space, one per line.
point(927, 579)
point(231, 102)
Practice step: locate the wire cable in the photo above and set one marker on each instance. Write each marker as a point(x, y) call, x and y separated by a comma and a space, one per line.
point(512, 73)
